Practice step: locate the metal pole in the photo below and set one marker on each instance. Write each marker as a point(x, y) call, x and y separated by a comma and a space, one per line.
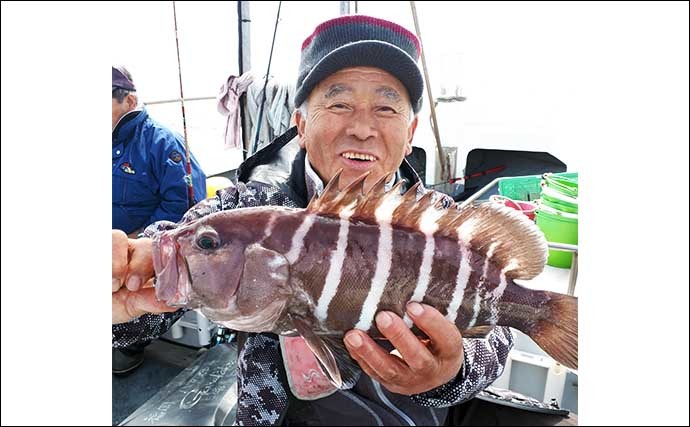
point(245, 64)
point(573, 275)
point(170, 101)
point(344, 8)
point(439, 148)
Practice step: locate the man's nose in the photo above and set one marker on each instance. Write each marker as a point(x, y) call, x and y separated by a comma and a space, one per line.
point(363, 125)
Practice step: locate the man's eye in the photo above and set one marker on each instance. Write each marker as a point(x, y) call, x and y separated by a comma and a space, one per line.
point(386, 109)
point(339, 106)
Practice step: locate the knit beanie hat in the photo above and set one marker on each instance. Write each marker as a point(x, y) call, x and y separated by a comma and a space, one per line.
point(359, 40)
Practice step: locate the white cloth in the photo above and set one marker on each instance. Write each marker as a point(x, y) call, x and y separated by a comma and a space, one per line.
point(229, 106)
point(277, 110)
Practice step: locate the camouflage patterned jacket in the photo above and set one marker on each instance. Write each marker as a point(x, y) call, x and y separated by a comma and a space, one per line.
point(276, 175)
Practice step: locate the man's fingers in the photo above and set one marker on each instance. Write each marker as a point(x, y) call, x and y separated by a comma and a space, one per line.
point(386, 366)
point(145, 301)
point(411, 349)
point(130, 305)
point(445, 336)
point(140, 263)
point(120, 253)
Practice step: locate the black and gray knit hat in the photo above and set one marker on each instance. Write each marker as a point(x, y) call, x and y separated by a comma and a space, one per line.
point(359, 40)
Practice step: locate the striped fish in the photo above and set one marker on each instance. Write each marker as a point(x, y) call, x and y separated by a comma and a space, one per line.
point(321, 271)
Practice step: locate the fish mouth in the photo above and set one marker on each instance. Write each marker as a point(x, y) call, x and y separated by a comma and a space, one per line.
point(173, 278)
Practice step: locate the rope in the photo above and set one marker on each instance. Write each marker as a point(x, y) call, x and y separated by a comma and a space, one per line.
point(188, 177)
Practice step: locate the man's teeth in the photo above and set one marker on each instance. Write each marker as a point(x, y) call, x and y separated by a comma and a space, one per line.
point(359, 156)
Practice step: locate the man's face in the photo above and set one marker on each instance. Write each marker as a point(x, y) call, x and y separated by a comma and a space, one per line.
point(129, 103)
point(358, 120)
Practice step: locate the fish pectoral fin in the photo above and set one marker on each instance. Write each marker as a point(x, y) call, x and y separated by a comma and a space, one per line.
point(477, 332)
point(320, 349)
point(330, 352)
point(349, 368)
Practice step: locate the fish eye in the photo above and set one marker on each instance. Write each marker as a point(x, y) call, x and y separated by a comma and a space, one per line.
point(208, 242)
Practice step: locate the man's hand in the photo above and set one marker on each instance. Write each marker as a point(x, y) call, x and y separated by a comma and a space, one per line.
point(133, 292)
point(420, 367)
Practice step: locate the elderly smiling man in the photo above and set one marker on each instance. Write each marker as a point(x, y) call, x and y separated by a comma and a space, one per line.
point(358, 92)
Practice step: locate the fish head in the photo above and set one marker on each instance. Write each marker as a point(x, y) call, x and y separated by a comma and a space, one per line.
point(217, 265)
point(198, 265)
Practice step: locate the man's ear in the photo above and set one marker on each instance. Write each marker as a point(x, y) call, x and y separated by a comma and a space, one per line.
point(131, 100)
point(301, 123)
point(410, 135)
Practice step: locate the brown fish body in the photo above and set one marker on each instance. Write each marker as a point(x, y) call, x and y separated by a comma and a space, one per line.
point(346, 257)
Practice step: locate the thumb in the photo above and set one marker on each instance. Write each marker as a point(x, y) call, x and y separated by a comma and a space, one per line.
point(129, 305)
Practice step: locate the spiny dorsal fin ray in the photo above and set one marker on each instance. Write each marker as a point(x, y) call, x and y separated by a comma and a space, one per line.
point(409, 212)
point(332, 200)
point(513, 242)
point(372, 200)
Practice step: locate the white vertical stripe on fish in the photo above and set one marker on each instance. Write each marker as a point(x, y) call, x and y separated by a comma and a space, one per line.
point(482, 281)
point(269, 225)
point(428, 225)
point(460, 284)
point(384, 256)
point(477, 303)
point(330, 288)
point(496, 294)
point(466, 231)
point(298, 238)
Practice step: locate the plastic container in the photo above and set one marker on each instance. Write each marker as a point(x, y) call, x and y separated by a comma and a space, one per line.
point(527, 188)
point(562, 184)
point(558, 227)
point(558, 201)
point(527, 208)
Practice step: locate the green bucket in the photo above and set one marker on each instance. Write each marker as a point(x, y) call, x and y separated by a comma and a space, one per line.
point(564, 185)
point(556, 200)
point(561, 228)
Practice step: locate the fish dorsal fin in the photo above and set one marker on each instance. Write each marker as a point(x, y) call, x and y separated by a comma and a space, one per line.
point(332, 201)
point(511, 240)
point(508, 237)
point(375, 197)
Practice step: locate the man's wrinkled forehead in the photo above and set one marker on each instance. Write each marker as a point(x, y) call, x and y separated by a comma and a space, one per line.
point(337, 89)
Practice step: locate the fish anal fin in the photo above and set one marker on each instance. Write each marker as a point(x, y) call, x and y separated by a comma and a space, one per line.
point(557, 333)
point(478, 332)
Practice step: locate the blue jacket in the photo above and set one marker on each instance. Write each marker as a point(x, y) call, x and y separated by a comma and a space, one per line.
point(149, 167)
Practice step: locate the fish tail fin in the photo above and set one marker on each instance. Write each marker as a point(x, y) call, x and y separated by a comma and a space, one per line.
point(557, 333)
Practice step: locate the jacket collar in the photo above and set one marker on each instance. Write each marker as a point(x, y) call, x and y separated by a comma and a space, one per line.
point(124, 128)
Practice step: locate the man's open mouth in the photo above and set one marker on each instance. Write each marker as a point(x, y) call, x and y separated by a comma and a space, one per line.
point(360, 157)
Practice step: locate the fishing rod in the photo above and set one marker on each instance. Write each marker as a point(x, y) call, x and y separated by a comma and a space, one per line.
point(466, 177)
point(263, 96)
point(188, 177)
